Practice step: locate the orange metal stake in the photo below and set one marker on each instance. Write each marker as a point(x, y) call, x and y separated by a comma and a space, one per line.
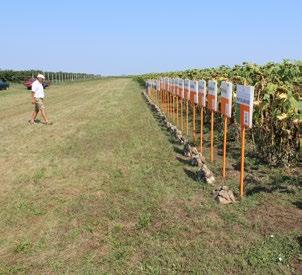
point(171, 106)
point(242, 159)
point(201, 128)
point(212, 136)
point(164, 101)
point(174, 108)
point(194, 123)
point(172, 116)
point(161, 96)
point(173, 103)
point(224, 146)
point(177, 112)
point(187, 117)
point(181, 117)
point(168, 104)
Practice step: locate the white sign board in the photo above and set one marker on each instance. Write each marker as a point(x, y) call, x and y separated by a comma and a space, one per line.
point(202, 91)
point(194, 91)
point(212, 95)
point(226, 98)
point(245, 99)
point(181, 88)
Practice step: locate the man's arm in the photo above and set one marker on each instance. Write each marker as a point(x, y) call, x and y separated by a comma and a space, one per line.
point(33, 91)
point(33, 97)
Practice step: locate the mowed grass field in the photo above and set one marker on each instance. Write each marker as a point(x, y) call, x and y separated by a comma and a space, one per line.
point(101, 192)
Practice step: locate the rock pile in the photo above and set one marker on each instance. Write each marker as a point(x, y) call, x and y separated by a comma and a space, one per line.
point(197, 160)
point(224, 195)
point(204, 174)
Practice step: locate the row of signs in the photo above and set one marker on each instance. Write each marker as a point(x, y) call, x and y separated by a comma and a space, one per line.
point(199, 92)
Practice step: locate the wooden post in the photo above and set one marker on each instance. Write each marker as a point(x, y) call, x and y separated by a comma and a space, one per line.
point(212, 136)
point(201, 129)
point(224, 146)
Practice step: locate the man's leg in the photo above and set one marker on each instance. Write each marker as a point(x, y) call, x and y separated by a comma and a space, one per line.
point(44, 115)
point(34, 115)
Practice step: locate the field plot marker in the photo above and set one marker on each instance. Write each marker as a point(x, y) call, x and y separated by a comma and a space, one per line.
point(157, 93)
point(181, 116)
point(194, 100)
point(172, 99)
point(173, 105)
point(245, 97)
point(212, 136)
point(171, 114)
point(202, 88)
point(201, 129)
point(212, 106)
point(226, 110)
point(168, 96)
point(177, 122)
point(166, 101)
point(181, 95)
point(194, 123)
point(187, 116)
point(187, 97)
point(162, 97)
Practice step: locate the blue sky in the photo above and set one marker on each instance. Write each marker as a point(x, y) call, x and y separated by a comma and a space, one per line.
point(129, 37)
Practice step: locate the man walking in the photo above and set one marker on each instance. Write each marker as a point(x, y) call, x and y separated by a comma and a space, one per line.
point(37, 97)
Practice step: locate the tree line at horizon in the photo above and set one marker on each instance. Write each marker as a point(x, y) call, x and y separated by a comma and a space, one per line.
point(18, 76)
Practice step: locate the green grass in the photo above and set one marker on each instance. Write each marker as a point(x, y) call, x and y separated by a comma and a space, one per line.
point(101, 192)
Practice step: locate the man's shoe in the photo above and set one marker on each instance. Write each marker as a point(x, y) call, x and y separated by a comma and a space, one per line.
point(31, 122)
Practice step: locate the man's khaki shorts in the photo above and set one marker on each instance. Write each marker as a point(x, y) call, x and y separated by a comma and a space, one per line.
point(39, 105)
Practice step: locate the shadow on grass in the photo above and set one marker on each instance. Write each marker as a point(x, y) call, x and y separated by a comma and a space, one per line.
point(298, 204)
point(275, 183)
point(299, 239)
point(257, 189)
point(191, 174)
point(177, 150)
point(183, 160)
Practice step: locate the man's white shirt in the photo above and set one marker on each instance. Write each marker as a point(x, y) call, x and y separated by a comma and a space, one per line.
point(38, 89)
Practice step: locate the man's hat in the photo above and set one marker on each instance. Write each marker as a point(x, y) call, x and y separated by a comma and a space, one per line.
point(40, 76)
